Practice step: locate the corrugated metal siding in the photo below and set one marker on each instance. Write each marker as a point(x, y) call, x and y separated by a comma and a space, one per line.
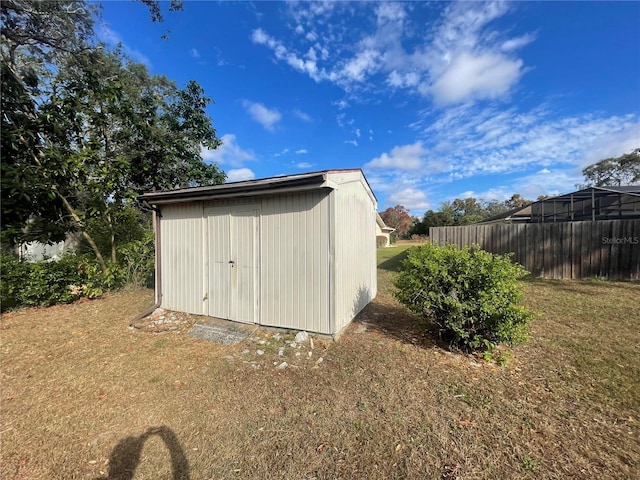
point(230, 202)
point(294, 276)
point(299, 284)
point(244, 234)
point(355, 249)
point(182, 258)
point(216, 281)
point(232, 247)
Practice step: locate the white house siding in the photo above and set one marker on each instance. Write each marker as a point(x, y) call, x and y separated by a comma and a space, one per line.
point(294, 282)
point(355, 247)
point(37, 252)
point(182, 257)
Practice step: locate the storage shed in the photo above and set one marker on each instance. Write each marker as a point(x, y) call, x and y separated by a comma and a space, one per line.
point(295, 252)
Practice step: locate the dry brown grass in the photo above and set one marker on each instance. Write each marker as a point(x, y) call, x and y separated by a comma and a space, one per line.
point(84, 397)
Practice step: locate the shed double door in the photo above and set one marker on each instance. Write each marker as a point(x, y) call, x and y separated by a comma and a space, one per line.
point(233, 264)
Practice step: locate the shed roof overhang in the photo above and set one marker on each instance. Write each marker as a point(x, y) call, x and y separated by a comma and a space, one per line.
point(249, 188)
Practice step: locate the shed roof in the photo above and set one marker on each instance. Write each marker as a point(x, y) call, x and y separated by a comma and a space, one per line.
point(263, 186)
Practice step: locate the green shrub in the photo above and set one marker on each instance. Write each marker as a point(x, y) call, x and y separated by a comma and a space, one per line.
point(74, 276)
point(137, 261)
point(12, 275)
point(471, 294)
point(49, 282)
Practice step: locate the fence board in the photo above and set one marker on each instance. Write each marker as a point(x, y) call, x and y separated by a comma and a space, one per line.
point(576, 251)
point(538, 267)
point(586, 250)
point(567, 253)
point(605, 251)
point(635, 251)
point(605, 248)
point(615, 252)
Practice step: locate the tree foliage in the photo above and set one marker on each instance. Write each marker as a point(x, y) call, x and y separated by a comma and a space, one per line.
point(397, 217)
point(86, 130)
point(465, 212)
point(609, 172)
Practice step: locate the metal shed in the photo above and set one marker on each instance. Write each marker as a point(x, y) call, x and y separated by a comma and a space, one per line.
point(295, 252)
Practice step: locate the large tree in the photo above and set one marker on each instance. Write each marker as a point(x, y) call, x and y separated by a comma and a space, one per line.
point(37, 39)
point(622, 170)
point(397, 217)
point(84, 130)
point(116, 132)
point(516, 201)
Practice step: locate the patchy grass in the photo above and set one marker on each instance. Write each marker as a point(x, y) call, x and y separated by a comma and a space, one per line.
point(389, 258)
point(84, 397)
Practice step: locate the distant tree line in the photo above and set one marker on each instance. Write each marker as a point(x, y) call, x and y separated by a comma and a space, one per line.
point(464, 212)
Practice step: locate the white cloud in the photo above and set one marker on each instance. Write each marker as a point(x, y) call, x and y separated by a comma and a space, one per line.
point(282, 152)
point(472, 76)
point(357, 68)
point(352, 142)
point(405, 157)
point(266, 117)
point(304, 165)
point(302, 151)
point(546, 182)
point(467, 61)
point(229, 153)
point(302, 115)
point(470, 140)
point(194, 53)
point(518, 42)
point(410, 198)
point(390, 12)
point(341, 104)
point(285, 54)
point(240, 174)
point(403, 80)
point(459, 58)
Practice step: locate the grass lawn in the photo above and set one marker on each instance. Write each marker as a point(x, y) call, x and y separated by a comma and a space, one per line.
point(84, 397)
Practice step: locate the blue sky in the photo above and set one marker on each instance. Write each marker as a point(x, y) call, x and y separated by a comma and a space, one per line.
point(433, 100)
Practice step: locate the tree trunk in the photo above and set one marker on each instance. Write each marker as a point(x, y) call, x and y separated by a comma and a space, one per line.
point(97, 253)
point(112, 238)
point(76, 219)
point(79, 224)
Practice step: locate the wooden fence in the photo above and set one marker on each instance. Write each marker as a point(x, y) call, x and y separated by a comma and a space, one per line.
point(573, 250)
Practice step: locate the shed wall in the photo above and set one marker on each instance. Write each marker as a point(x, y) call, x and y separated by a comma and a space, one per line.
point(294, 282)
point(182, 258)
point(355, 250)
point(315, 255)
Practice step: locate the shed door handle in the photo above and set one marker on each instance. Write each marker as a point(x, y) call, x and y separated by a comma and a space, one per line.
point(231, 262)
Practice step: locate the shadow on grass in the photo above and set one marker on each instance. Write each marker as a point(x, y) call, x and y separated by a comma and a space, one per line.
point(125, 457)
point(392, 264)
point(396, 322)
